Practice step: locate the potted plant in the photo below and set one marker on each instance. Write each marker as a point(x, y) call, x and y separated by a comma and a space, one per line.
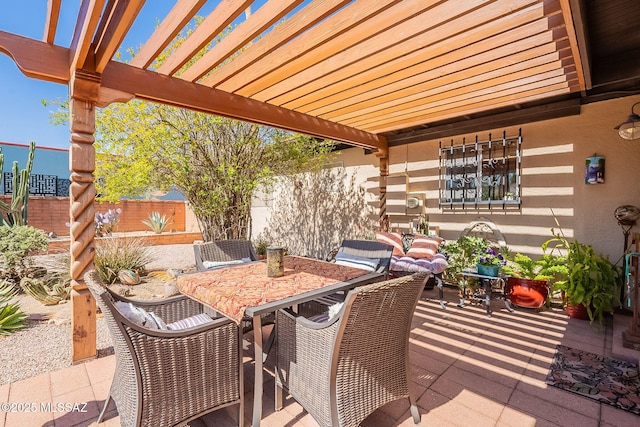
point(592, 283)
point(261, 244)
point(528, 282)
point(489, 261)
point(460, 255)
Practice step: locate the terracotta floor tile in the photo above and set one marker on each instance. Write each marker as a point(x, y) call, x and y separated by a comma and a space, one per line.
point(465, 369)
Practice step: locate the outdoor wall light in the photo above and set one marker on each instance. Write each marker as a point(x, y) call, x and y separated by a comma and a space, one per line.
point(630, 129)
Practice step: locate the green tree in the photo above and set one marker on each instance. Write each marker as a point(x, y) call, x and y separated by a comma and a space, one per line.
point(215, 162)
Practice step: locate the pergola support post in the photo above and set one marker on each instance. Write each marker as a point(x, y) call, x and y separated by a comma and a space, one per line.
point(83, 94)
point(384, 173)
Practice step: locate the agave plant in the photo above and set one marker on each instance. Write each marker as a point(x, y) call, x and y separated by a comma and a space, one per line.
point(11, 318)
point(156, 222)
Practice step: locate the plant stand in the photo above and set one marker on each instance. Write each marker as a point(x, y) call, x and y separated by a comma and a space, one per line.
point(488, 283)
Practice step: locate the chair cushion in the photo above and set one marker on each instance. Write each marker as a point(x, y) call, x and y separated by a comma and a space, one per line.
point(212, 265)
point(369, 264)
point(437, 264)
point(140, 316)
point(189, 322)
point(424, 247)
point(393, 239)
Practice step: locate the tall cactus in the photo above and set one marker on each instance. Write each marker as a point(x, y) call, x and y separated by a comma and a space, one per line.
point(16, 212)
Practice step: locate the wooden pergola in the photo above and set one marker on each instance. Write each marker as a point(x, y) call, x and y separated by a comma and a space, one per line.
point(359, 72)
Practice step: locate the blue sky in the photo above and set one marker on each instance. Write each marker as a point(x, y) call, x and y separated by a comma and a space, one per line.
point(23, 118)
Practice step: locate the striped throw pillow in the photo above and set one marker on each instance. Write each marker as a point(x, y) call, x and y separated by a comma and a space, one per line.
point(189, 322)
point(424, 247)
point(393, 239)
point(369, 264)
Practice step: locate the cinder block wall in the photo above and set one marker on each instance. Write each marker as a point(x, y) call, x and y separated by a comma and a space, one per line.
point(52, 213)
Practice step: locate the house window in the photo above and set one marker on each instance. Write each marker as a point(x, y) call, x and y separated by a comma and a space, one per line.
point(482, 174)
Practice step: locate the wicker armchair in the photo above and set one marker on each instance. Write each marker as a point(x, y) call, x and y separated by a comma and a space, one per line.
point(344, 369)
point(223, 250)
point(169, 377)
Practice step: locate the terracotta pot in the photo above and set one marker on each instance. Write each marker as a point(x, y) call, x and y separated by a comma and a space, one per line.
point(527, 293)
point(576, 311)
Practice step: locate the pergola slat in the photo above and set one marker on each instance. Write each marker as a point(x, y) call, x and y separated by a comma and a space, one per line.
point(255, 24)
point(308, 17)
point(411, 53)
point(441, 89)
point(484, 66)
point(86, 24)
point(120, 19)
point(51, 23)
point(316, 36)
point(528, 35)
point(178, 17)
point(466, 94)
point(213, 24)
point(364, 54)
point(474, 107)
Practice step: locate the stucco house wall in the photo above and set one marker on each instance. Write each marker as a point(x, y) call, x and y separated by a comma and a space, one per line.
point(553, 174)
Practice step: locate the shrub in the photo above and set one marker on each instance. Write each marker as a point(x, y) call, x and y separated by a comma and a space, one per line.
point(156, 222)
point(113, 255)
point(17, 245)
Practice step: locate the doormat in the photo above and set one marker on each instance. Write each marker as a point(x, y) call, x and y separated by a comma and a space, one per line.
point(607, 380)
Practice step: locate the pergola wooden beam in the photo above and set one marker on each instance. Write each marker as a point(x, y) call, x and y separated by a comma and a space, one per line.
point(36, 59)
point(51, 23)
point(148, 85)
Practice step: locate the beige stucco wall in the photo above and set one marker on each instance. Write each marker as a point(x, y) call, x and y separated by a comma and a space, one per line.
point(553, 168)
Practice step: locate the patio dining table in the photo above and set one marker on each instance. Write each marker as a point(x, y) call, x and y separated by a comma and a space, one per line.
point(245, 289)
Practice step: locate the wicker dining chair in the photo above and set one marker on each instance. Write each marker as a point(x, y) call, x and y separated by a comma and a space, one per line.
point(223, 251)
point(378, 252)
point(169, 377)
point(343, 369)
point(370, 249)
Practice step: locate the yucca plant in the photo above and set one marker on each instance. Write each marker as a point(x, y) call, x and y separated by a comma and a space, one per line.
point(156, 222)
point(115, 254)
point(11, 318)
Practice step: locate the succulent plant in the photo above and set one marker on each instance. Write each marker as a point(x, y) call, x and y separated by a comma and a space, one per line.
point(157, 222)
point(11, 317)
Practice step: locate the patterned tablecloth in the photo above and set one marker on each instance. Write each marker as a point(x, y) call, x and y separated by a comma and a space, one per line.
point(231, 290)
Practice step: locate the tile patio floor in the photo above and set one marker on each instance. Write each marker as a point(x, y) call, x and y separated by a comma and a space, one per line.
point(467, 370)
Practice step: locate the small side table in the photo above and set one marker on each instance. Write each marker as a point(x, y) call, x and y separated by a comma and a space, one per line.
point(487, 283)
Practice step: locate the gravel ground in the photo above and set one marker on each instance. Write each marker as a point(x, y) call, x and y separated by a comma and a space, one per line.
point(45, 344)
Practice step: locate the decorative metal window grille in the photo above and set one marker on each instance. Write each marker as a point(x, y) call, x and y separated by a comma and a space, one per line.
point(40, 185)
point(481, 174)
